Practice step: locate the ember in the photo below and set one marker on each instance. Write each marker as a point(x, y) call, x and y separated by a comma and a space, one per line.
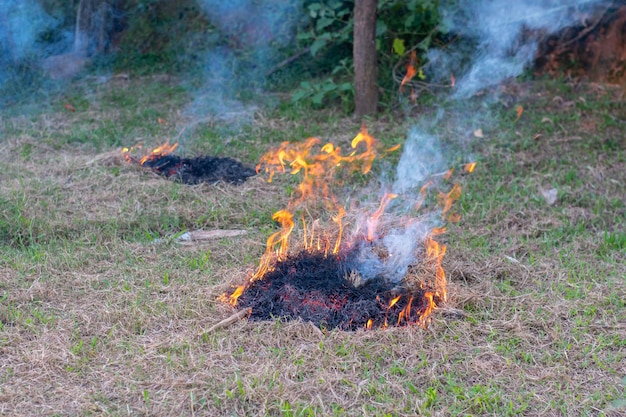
point(386, 273)
point(196, 170)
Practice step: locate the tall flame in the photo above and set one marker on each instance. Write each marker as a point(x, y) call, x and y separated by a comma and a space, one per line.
point(318, 169)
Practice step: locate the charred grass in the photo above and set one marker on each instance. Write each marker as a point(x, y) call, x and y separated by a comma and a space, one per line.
point(100, 317)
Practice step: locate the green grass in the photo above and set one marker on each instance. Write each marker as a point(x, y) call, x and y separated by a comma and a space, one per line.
point(97, 298)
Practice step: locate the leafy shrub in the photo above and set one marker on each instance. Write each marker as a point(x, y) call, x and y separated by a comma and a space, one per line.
point(150, 36)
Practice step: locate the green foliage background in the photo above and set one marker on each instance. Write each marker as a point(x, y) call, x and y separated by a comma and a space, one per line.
point(153, 36)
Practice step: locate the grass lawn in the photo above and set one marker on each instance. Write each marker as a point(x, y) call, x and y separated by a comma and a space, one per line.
point(97, 317)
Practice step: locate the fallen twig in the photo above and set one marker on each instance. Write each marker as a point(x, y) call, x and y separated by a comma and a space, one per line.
point(228, 321)
point(202, 236)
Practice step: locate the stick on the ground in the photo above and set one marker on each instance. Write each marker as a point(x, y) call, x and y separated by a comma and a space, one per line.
point(229, 321)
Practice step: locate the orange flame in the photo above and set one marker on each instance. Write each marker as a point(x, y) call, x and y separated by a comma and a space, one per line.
point(369, 155)
point(425, 314)
point(447, 199)
point(435, 252)
point(157, 152)
point(280, 239)
point(317, 169)
point(469, 167)
point(411, 69)
point(406, 312)
point(394, 301)
point(162, 150)
point(235, 295)
point(423, 193)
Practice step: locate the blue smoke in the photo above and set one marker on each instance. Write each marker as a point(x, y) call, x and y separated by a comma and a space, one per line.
point(22, 22)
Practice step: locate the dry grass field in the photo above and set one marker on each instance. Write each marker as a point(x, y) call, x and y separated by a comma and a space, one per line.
point(103, 312)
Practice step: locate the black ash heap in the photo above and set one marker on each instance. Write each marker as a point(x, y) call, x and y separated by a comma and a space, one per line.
point(201, 169)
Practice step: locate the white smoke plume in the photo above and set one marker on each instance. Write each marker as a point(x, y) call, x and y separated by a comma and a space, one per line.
point(255, 30)
point(402, 240)
point(506, 34)
point(421, 157)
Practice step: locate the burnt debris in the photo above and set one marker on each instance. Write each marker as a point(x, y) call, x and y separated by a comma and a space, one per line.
point(316, 288)
point(207, 169)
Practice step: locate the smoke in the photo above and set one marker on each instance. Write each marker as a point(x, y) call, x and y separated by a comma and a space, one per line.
point(501, 41)
point(33, 41)
point(254, 32)
point(22, 22)
point(421, 157)
point(505, 36)
point(400, 246)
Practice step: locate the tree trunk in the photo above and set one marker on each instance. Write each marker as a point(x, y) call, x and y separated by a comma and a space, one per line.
point(364, 53)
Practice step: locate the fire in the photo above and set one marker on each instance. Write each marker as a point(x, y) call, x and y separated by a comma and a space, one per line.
point(156, 153)
point(318, 169)
point(159, 151)
point(323, 242)
point(469, 167)
point(446, 200)
point(277, 243)
point(394, 301)
point(232, 299)
point(411, 69)
point(435, 252)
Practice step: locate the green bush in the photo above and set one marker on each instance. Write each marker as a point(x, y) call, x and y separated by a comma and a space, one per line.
point(159, 35)
point(402, 26)
point(149, 36)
